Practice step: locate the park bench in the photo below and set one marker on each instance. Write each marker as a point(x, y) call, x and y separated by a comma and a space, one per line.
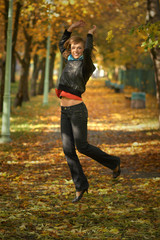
point(117, 87)
point(136, 100)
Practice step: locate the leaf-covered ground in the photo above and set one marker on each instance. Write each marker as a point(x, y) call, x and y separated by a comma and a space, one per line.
point(35, 184)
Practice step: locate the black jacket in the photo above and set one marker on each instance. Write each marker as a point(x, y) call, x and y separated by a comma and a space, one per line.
point(76, 72)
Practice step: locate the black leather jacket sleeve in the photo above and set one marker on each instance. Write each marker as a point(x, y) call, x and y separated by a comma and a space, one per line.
point(88, 67)
point(89, 42)
point(66, 35)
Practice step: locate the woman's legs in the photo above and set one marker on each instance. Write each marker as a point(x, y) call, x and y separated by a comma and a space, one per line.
point(77, 174)
point(74, 132)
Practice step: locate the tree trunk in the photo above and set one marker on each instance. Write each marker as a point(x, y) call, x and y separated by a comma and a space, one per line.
point(34, 75)
point(2, 84)
point(41, 83)
point(51, 68)
point(14, 40)
point(13, 67)
point(6, 4)
point(153, 16)
point(23, 94)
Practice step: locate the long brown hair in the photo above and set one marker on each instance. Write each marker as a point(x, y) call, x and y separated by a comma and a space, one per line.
point(69, 42)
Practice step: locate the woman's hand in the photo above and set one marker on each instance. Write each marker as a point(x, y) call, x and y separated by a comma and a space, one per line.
point(92, 30)
point(78, 24)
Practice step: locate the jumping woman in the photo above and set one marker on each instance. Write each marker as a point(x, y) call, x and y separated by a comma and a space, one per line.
point(74, 115)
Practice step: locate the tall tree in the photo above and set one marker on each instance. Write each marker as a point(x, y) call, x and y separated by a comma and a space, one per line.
point(14, 39)
point(23, 94)
point(51, 67)
point(2, 80)
point(18, 6)
point(153, 17)
point(29, 17)
point(35, 75)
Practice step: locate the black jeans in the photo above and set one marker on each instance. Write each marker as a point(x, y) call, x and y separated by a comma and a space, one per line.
point(74, 134)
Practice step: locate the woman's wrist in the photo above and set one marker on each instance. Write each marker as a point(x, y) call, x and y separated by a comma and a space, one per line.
point(70, 29)
point(89, 32)
point(92, 31)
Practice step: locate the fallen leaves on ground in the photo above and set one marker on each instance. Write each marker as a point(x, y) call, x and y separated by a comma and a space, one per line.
point(36, 189)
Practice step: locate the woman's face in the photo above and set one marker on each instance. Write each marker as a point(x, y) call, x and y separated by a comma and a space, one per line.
point(77, 49)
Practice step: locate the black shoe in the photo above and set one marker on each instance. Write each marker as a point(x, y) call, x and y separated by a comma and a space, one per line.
point(76, 199)
point(117, 172)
